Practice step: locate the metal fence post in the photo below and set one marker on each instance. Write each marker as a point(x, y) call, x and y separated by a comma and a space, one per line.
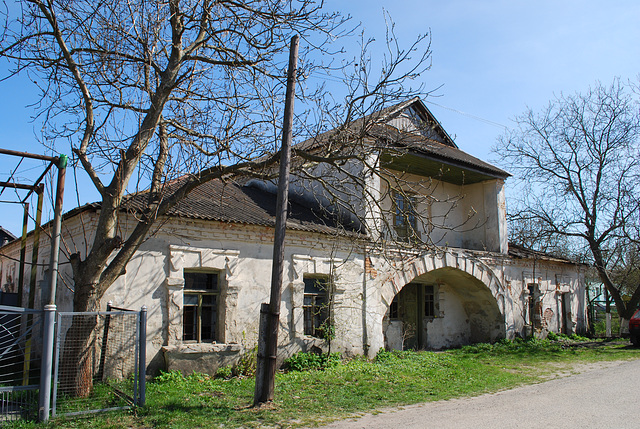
point(47, 362)
point(142, 361)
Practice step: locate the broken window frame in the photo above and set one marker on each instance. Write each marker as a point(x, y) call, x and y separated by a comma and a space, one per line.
point(195, 330)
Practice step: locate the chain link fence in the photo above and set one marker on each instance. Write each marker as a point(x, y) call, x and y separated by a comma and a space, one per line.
point(96, 362)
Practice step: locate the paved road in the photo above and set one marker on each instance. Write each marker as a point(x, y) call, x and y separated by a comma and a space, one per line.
point(601, 396)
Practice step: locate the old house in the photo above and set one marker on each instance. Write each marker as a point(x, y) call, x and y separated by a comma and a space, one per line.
point(204, 273)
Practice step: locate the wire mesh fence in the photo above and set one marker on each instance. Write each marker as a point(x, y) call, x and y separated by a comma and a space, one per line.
point(96, 363)
point(20, 353)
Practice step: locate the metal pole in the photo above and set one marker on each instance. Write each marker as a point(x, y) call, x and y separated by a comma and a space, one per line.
point(27, 155)
point(50, 309)
point(142, 362)
point(266, 392)
point(32, 285)
point(35, 249)
point(47, 362)
point(105, 339)
point(23, 253)
point(57, 227)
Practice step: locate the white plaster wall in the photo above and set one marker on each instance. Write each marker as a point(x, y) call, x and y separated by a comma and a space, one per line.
point(365, 284)
point(466, 217)
point(452, 328)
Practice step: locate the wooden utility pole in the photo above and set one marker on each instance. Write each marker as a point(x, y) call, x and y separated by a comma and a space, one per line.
point(270, 314)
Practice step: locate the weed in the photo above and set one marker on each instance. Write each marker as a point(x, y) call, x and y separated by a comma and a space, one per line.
point(303, 361)
point(246, 365)
point(224, 372)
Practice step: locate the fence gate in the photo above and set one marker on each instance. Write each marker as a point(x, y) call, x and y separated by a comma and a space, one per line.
point(97, 365)
point(20, 333)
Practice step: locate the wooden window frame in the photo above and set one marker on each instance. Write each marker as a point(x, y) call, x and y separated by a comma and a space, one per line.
point(405, 217)
point(214, 290)
point(315, 305)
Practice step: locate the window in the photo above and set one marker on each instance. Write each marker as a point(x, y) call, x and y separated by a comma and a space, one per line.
point(316, 305)
point(429, 301)
point(200, 312)
point(393, 309)
point(404, 218)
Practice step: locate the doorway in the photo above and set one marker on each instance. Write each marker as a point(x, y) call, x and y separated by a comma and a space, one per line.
point(414, 306)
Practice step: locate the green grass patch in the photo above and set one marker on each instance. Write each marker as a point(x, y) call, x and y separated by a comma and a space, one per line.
point(310, 397)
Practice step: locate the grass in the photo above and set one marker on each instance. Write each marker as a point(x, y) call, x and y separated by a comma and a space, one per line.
point(307, 398)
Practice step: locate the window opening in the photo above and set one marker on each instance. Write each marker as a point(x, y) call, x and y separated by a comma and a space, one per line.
point(200, 312)
point(316, 305)
point(429, 301)
point(393, 308)
point(405, 216)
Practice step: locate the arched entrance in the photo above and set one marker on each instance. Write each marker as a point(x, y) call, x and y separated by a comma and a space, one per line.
point(446, 306)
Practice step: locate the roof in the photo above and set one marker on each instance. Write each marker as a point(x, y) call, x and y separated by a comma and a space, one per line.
point(437, 151)
point(434, 146)
point(5, 233)
point(250, 202)
point(241, 200)
point(519, 252)
point(6, 236)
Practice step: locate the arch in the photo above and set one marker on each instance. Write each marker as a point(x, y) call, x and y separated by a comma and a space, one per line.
point(449, 258)
point(471, 286)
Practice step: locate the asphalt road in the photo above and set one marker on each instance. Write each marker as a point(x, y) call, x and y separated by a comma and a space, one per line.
point(604, 395)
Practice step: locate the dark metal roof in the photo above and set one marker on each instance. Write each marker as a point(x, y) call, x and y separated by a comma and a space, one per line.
point(248, 202)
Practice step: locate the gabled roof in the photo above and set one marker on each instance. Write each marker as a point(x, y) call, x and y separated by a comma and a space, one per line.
point(425, 115)
point(250, 202)
point(423, 151)
point(6, 236)
point(431, 142)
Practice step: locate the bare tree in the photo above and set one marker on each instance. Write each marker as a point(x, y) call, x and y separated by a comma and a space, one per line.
point(578, 166)
point(166, 95)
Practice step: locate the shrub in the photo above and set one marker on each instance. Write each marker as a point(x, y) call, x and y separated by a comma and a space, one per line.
point(302, 361)
point(552, 336)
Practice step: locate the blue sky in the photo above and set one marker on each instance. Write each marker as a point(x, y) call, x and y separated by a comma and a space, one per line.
point(491, 58)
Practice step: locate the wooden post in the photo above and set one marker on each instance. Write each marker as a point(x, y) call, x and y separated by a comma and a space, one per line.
point(266, 370)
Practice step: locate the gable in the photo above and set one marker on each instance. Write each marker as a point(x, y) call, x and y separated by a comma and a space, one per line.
point(415, 118)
